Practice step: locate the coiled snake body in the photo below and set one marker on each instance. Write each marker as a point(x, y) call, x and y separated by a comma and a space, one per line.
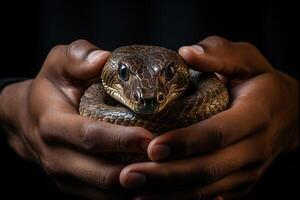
point(152, 87)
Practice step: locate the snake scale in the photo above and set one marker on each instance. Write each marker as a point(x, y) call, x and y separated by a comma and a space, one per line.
point(152, 87)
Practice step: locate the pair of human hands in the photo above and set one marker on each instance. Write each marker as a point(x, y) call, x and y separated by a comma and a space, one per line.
point(224, 155)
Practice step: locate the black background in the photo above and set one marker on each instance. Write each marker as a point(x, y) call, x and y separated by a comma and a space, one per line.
point(30, 30)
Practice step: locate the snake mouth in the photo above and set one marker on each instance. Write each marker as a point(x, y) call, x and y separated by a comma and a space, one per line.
point(145, 107)
point(154, 104)
point(146, 110)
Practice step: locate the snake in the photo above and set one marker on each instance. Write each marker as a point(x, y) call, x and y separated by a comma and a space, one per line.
point(152, 87)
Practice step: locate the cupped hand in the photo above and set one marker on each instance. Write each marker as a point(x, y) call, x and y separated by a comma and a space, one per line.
point(229, 152)
point(41, 119)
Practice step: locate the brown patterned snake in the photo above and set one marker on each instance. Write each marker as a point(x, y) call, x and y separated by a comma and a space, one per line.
point(152, 87)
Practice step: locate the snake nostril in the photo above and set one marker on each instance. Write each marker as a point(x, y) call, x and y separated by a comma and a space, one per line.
point(147, 102)
point(160, 97)
point(136, 96)
point(142, 101)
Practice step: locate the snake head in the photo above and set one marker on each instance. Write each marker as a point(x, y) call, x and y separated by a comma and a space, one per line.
point(145, 78)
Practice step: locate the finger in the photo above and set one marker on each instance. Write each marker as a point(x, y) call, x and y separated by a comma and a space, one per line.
point(79, 61)
point(239, 181)
point(197, 170)
point(91, 135)
point(234, 60)
point(60, 122)
point(218, 131)
point(67, 164)
point(73, 68)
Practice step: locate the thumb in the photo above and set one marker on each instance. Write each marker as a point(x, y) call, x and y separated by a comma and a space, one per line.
point(74, 67)
point(233, 60)
point(77, 61)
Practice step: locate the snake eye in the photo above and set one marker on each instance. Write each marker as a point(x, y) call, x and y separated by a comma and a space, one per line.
point(123, 72)
point(169, 71)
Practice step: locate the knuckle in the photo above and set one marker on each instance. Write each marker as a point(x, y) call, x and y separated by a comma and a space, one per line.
point(88, 137)
point(211, 172)
point(135, 131)
point(57, 49)
point(252, 50)
point(77, 49)
point(216, 41)
point(122, 141)
point(219, 136)
point(129, 137)
point(137, 139)
point(54, 56)
point(107, 180)
point(79, 42)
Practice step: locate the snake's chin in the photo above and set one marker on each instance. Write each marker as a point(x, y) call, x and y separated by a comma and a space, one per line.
point(149, 110)
point(145, 110)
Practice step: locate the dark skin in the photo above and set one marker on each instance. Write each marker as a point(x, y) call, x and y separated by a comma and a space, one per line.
point(47, 128)
point(233, 147)
point(203, 161)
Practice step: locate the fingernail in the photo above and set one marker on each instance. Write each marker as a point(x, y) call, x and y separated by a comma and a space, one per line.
point(197, 49)
point(135, 180)
point(96, 55)
point(160, 152)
